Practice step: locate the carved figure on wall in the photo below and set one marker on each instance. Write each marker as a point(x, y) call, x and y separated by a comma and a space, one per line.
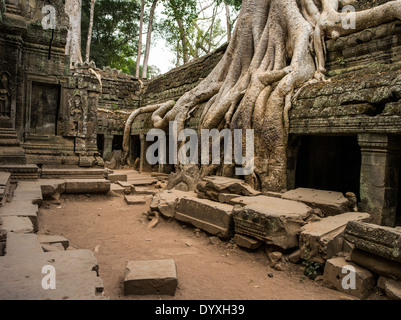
point(5, 97)
point(76, 114)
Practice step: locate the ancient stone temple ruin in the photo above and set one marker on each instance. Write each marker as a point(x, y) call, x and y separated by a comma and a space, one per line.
point(62, 131)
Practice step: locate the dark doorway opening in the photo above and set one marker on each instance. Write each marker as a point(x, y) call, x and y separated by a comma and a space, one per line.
point(100, 144)
point(117, 143)
point(329, 163)
point(398, 214)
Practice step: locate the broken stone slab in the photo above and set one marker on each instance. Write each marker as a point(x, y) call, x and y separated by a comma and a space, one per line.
point(21, 209)
point(150, 277)
point(17, 224)
point(29, 191)
point(212, 186)
point(5, 182)
point(166, 201)
point(22, 244)
point(126, 185)
point(330, 202)
point(101, 186)
point(49, 239)
point(114, 177)
point(212, 217)
point(227, 197)
point(116, 188)
point(247, 242)
point(52, 189)
point(384, 267)
point(133, 200)
point(359, 282)
point(144, 191)
point(321, 240)
point(390, 287)
point(52, 247)
point(379, 240)
point(275, 221)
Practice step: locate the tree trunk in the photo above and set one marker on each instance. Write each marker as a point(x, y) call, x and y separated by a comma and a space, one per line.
point(73, 45)
point(228, 22)
point(268, 59)
point(88, 43)
point(148, 39)
point(184, 40)
point(138, 59)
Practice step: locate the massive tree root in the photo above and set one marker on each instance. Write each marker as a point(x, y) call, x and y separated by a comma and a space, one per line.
point(277, 47)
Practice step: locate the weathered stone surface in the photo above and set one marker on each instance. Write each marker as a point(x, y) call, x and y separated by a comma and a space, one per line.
point(384, 267)
point(272, 220)
point(52, 189)
point(81, 173)
point(116, 188)
point(134, 199)
point(150, 277)
point(295, 257)
point(212, 186)
point(392, 289)
point(17, 224)
point(333, 277)
point(379, 240)
point(166, 201)
point(247, 242)
point(212, 217)
point(52, 247)
point(22, 244)
point(114, 177)
point(48, 239)
point(126, 185)
point(87, 186)
point(323, 239)
point(330, 202)
point(227, 197)
point(144, 191)
point(5, 181)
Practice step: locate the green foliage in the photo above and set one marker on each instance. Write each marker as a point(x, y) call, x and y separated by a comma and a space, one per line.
point(311, 268)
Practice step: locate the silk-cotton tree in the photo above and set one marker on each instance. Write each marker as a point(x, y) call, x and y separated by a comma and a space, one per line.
point(276, 48)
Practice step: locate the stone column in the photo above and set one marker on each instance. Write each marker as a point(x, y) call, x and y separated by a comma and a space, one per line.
point(107, 146)
point(379, 177)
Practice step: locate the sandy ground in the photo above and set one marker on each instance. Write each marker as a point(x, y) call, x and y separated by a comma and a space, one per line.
point(118, 233)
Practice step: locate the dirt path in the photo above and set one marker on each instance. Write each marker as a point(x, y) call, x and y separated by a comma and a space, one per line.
point(117, 233)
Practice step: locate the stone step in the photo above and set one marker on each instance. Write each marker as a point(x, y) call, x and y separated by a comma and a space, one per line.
point(49, 239)
point(133, 200)
point(7, 142)
point(114, 177)
point(87, 186)
point(48, 173)
point(321, 240)
point(21, 171)
point(16, 224)
point(22, 244)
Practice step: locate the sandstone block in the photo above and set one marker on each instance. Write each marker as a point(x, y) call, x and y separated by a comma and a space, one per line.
point(379, 240)
point(323, 239)
point(330, 202)
point(335, 271)
point(150, 277)
point(87, 186)
point(272, 220)
point(134, 199)
point(247, 242)
point(212, 217)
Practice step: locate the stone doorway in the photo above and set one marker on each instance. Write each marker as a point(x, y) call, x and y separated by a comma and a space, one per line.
point(329, 163)
point(44, 113)
point(398, 214)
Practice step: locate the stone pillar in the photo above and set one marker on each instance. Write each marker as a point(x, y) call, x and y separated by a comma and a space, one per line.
point(107, 146)
point(379, 177)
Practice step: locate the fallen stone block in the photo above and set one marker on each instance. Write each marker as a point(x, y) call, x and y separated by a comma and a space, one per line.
point(21, 208)
point(348, 277)
point(212, 186)
point(126, 185)
point(52, 247)
point(227, 197)
point(48, 239)
point(101, 186)
point(116, 188)
point(323, 239)
point(379, 240)
point(166, 201)
point(52, 189)
point(295, 257)
point(144, 191)
point(275, 221)
point(330, 202)
point(390, 287)
point(5, 183)
point(247, 242)
point(153, 277)
point(132, 200)
point(379, 265)
point(212, 217)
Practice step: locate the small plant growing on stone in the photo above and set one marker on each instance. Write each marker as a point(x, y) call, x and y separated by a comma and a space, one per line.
point(342, 61)
point(310, 267)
